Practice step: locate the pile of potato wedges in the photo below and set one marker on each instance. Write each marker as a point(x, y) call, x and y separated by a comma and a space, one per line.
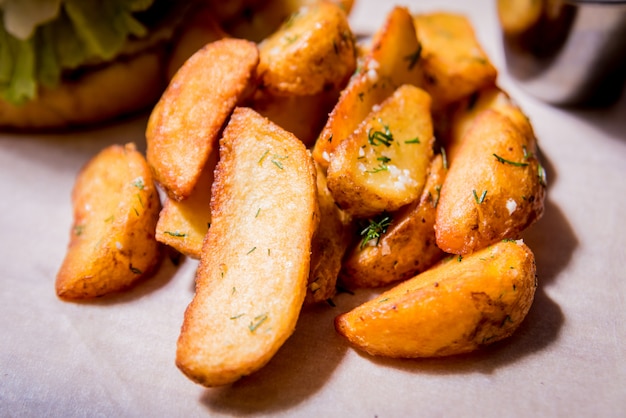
point(294, 160)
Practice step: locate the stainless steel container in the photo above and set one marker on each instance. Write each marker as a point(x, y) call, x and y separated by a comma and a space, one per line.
point(566, 52)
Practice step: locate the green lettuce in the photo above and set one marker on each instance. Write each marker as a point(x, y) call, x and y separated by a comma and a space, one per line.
point(84, 31)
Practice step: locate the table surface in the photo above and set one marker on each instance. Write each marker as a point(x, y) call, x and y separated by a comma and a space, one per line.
point(115, 357)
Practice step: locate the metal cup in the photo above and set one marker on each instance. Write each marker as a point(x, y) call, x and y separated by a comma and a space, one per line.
point(566, 52)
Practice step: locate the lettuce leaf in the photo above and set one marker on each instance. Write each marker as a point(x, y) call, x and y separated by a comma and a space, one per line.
point(17, 68)
point(84, 31)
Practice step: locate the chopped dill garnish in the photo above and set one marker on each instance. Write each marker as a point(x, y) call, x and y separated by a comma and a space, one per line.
point(384, 137)
point(276, 160)
point(541, 173)
point(263, 156)
point(138, 183)
point(414, 57)
point(505, 161)
point(527, 155)
point(256, 322)
point(435, 199)
point(480, 199)
point(382, 166)
point(374, 230)
point(176, 234)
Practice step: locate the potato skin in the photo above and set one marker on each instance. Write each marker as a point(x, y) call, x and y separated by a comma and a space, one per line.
point(464, 113)
point(494, 189)
point(312, 52)
point(407, 247)
point(456, 307)
point(452, 59)
point(112, 243)
point(332, 239)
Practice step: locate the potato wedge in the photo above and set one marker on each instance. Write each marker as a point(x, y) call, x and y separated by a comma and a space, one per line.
point(184, 125)
point(112, 244)
point(312, 52)
point(390, 62)
point(383, 165)
point(467, 110)
point(456, 307)
point(495, 187)
point(183, 224)
point(303, 116)
point(252, 277)
point(407, 246)
point(453, 61)
point(334, 235)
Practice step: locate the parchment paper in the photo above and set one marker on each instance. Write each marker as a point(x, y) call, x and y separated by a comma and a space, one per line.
point(115, 357)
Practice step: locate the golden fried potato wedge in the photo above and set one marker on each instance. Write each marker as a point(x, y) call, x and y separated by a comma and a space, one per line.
point(407, 245)
point(183, 224)
point(252, 277)
point(331, 240)
point(389, 63)
point(383, 165)
point(467, 110)
point(495, 187)
point(112, 244)
point(303, 116)
point(184, 125)
point(456, 307)
point(453, 61)
point(312, 52)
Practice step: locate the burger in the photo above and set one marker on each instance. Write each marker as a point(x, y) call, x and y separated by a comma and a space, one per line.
point(65, 63)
